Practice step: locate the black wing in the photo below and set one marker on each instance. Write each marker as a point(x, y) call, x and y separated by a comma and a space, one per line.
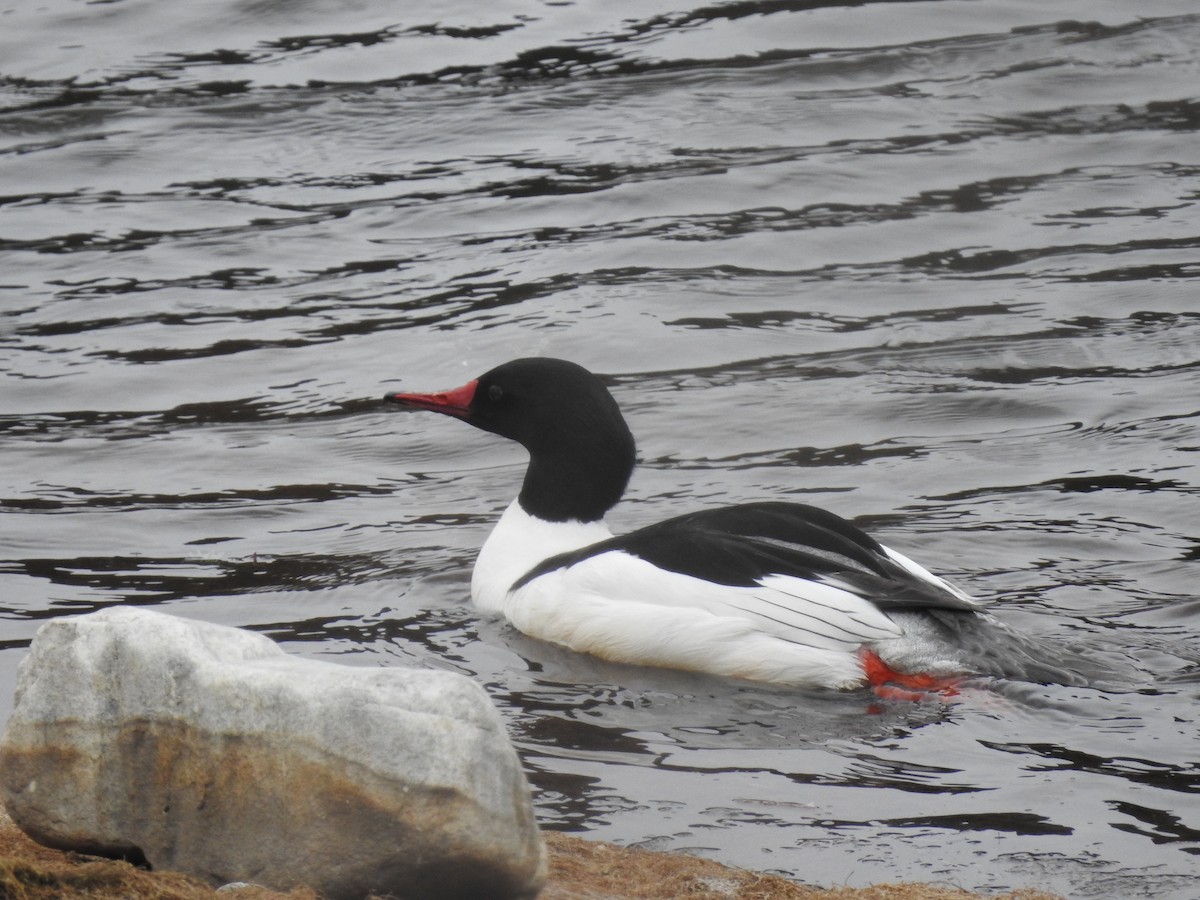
point(739, 545)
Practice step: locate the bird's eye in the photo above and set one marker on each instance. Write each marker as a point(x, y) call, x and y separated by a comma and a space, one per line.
point(495, 392)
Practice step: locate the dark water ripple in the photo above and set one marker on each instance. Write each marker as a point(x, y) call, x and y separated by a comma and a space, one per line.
point(931, 265)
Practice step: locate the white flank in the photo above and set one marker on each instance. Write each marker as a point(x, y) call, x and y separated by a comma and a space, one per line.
point(625, 609)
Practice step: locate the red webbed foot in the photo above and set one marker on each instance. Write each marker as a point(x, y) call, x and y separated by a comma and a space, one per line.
point(888, 684)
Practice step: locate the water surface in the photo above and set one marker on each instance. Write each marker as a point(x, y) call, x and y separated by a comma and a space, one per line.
point(929, 264)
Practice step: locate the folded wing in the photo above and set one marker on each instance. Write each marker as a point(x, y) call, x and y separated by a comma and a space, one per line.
point(796, 572)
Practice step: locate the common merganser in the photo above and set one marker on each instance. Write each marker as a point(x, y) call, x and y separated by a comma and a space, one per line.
point(774, 592)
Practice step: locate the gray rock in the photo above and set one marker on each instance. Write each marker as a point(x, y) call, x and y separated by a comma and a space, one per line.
point(207, 750)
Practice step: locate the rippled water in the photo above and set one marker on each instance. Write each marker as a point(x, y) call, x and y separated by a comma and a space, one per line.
point(930, 264)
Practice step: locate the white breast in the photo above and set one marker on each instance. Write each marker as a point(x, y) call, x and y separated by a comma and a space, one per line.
point(517, 544)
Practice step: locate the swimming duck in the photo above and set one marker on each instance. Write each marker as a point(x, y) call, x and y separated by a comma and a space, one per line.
point(774, 591)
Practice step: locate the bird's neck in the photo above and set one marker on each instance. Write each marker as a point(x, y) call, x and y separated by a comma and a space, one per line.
point(578, 483)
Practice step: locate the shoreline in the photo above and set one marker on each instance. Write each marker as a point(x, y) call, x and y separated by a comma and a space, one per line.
point(580, 869)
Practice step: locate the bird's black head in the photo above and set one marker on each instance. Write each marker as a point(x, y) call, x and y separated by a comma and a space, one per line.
point(581, 452)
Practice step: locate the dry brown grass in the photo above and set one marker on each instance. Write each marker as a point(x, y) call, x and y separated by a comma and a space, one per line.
point(591, 870)
point(579, 870)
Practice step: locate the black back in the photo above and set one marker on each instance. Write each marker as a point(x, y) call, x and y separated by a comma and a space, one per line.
point(738, 545)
